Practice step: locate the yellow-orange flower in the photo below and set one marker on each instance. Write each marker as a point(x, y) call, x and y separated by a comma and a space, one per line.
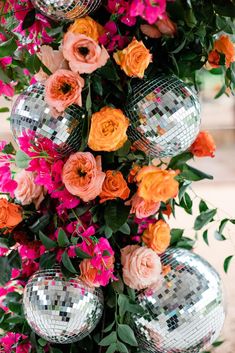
point(157, 236)
point(134, 59)
point(224, 45)
point(156, 184)
point(10, 214)
point(108, 130)
point(204, 145)
point(87, 26)
point(114, 186)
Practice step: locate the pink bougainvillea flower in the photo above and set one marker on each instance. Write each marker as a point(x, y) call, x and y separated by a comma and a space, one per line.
point(6, 89)
point(15, 342)
point(150, 10)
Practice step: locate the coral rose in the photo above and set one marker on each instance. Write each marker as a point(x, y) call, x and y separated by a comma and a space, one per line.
point(88, 273)
point(141, 267)
point(164, 26)
point(108, 130)
point(213, 60)
point(87, 26)
point(62, 89)
point(156, 184)
point(83, 53)
point(204, 145)
point(27, 191)
point(114, 186)
point(10, 214)
point(157, 236)
point(83, 176)
point(52, 59)
point(224, 46)
point(142, 208)
point(134, 59)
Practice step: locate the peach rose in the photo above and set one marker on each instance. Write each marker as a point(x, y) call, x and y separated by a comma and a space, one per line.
point(204, 145)
point(162, 27)
point(10, 214)
point(108, 130)
point(62, 89)
point(134, 59)
point(157, 236)
point(83, 53)
point(83, 176)
point(88, 273)
point(87, 26)
point(142, 208)
point(224, 46)
point(27, 191)
point(114, 186)
point(52, 59)
point(141, 267)
point(156, 184)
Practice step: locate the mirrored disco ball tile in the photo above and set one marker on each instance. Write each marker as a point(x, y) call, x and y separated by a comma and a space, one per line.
point(30, 112)
point(164, 115)
point(61, 311)
point(187, 313)
point(66, 10)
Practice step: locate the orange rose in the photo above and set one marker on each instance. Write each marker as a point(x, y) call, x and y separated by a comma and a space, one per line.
point(82, 175)
point(204, 145)
point(134, 59)
point(224, 45)
point(133, 172)
point(108, 130)
point(157, 236)
point(87, 26)
point(10, 214)
point(114, 186)
point(156, 184)
point(213, 60)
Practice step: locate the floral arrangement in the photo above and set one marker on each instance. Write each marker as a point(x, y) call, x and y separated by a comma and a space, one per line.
point(100, 212)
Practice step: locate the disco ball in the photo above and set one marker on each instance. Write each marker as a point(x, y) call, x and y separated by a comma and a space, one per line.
point(59, 310)
point(187, 313)
point(165, 116)
point(66, 10)
point(31, 112)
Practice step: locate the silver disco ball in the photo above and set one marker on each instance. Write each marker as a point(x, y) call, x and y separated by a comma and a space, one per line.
point(59, 310)
point(165, 116)
point(66, 10)
point(31, 112)
point(187, 313)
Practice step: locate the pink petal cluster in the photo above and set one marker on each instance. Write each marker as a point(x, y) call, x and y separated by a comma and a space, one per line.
point(11, 343)
point(7, 184)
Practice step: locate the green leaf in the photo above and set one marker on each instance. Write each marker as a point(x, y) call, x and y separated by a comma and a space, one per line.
point(42, 342)
point(118, 286)
point(176, 235)
point(14, 259)
point(47, 260)
point(40, 224)
point(29, 19)
point(111, 338)
point(126, 334)
point(82, 254)
point(62, 240)
point(109, 327)
point(183, 188)
point(185, 243)
point(4, 110)
point(204, 218)
point(219, 236)
point(202, 206)
point(227, 263)
point(122, 347)
point(22, 160)
point(5, 271)
point(46, 241)
point(186, 203)
point(124, 150)
point(205, 237)
point(112, 348)
point(33, 63)
point(217, 343)
point(221, 91)
point(16, 319)
point(116, 214)
point(223, 224)
point(67, 263)
point(7, 48)
point(109, 71)
point(178, 161)
point(108, 232)
point(8, 149)
point(4, 243)
point(193, 174)
point(125, 229)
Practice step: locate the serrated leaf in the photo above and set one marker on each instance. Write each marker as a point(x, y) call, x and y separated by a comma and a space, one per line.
point(108, 340)
point(46, 241)
point(205, 237)
point(67, 263)
point(227, 262)
point(22, 160)
point(126, 334)
point(62, 240)
point(204, 218)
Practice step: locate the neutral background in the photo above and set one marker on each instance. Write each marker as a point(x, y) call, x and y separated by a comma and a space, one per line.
point(218, 117)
